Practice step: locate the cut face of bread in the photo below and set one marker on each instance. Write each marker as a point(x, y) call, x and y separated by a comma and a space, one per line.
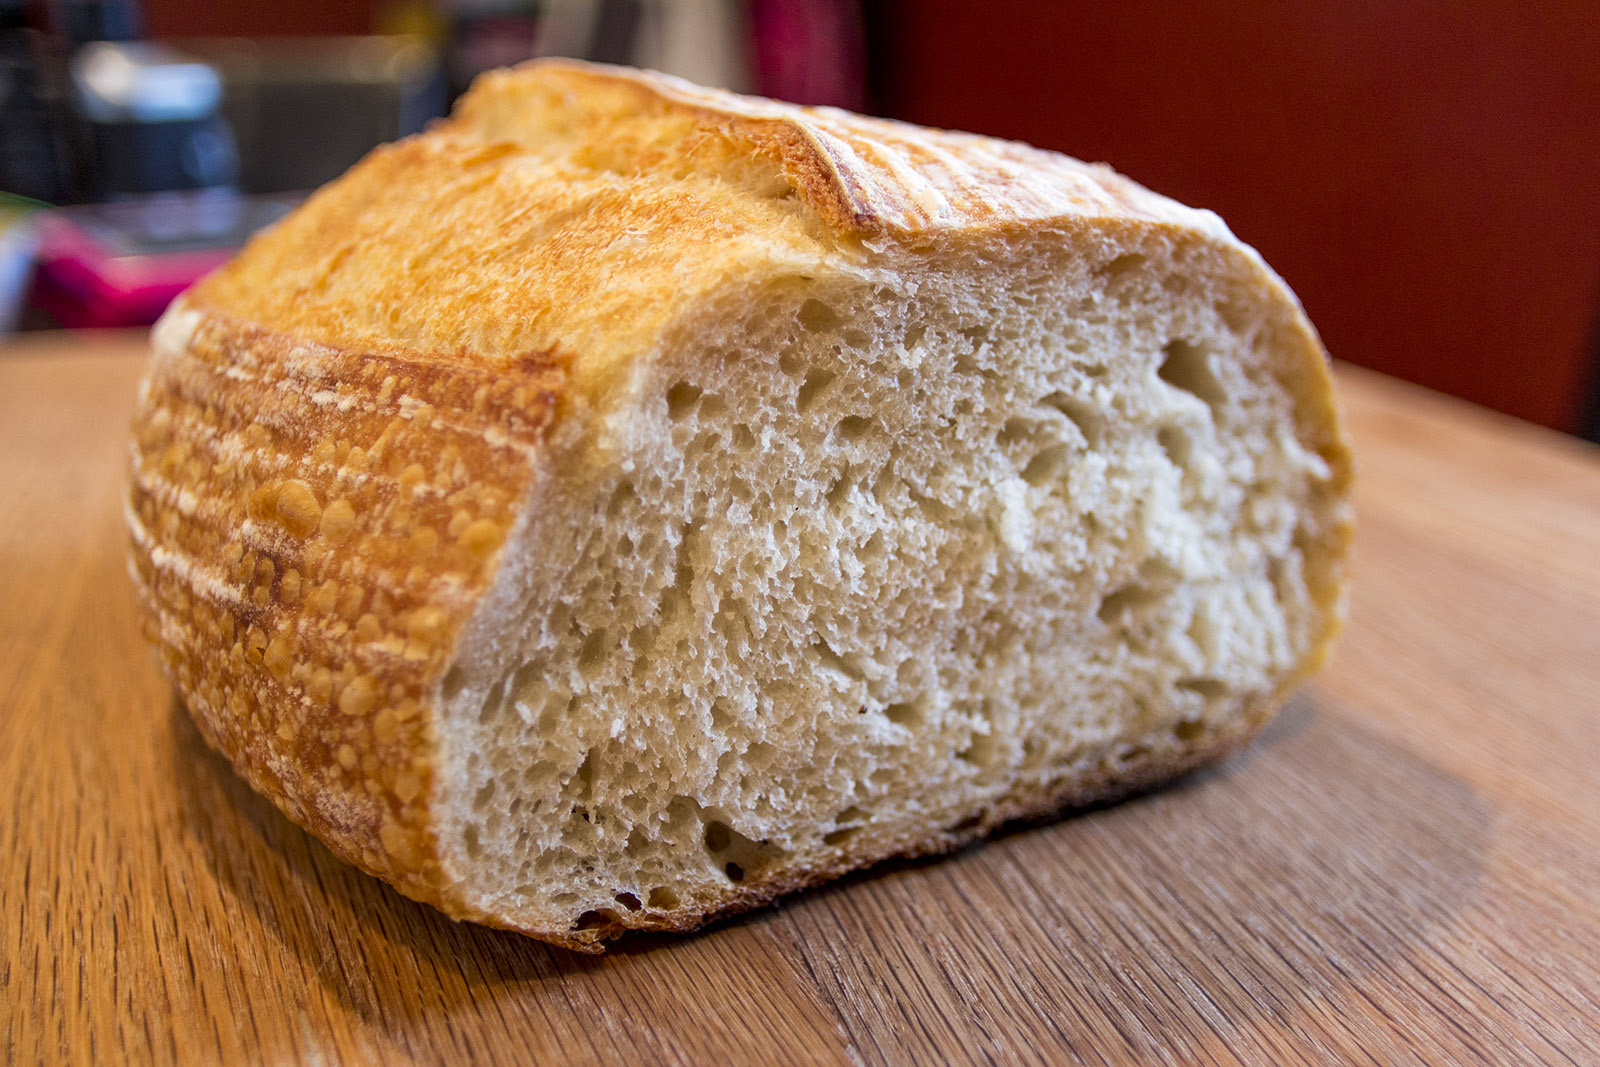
point(865, 488)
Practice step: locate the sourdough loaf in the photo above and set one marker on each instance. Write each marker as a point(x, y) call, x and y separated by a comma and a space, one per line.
point(627, 502)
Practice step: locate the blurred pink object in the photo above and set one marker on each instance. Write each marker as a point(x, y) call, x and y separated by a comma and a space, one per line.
point(120, 264)
point(810, 51)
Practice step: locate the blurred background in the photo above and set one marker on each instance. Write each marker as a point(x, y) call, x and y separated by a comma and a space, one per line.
point(1425, 173)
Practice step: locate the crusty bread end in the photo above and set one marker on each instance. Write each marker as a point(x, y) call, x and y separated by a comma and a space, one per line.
point(628, 502)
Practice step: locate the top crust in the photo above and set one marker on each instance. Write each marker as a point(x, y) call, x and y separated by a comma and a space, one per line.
point(582, 208)
point(864, 177)
point(341, 427)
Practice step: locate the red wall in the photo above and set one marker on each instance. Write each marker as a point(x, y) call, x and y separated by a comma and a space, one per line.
point(257, 18)
point(1426, 175)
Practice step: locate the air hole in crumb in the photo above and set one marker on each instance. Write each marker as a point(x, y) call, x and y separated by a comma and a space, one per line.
point(914, 335)
point(718, 837)
point(1189, 731)
point(541, 775)
point(1177, 444)
point(969, 823)
point(852, 814)
point(853, 427)
point(905, 713)
point(815, 383)
point(1209, 688)
point(1203, 632)
point(636, 803)
point(883, 482)
point(583, 777)
point(1016, 429)
point(628, 900)
point(469, 839)
point(480, 800)
point(1127, 599)
point(977, 334)
point(704, 442)
point(493, 704)
point(841, 835)
point(980, 751)
point(733, 850)
point(839, 492)
point(1081, 414)
point(730, 624)
point(743, 439)
point(1186, 366)
point(734, 872)
point(1237, 315)
point(933, 508)
point(1126, 263)
point(621, 497)
point(819, 317)
point(595, 918)
point(760, 755)
point(453, 682)
point(593, 652)
point(832, 660)
point(680, 398)
point(662, 897)
point(1046, 465)
point(675, 598)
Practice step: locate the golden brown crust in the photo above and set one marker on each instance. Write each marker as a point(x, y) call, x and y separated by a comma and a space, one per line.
point(311, 529)
point(866, 177)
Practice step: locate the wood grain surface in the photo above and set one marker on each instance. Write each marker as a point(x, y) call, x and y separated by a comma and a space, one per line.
point(1405, 868)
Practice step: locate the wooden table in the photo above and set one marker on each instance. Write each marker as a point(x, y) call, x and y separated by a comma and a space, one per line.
point(1405, 868)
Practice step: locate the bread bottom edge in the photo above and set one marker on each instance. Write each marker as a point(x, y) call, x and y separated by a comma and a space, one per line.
point(1025, 805)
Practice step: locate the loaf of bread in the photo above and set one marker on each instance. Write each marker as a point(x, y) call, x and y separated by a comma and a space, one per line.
point(625, 502)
